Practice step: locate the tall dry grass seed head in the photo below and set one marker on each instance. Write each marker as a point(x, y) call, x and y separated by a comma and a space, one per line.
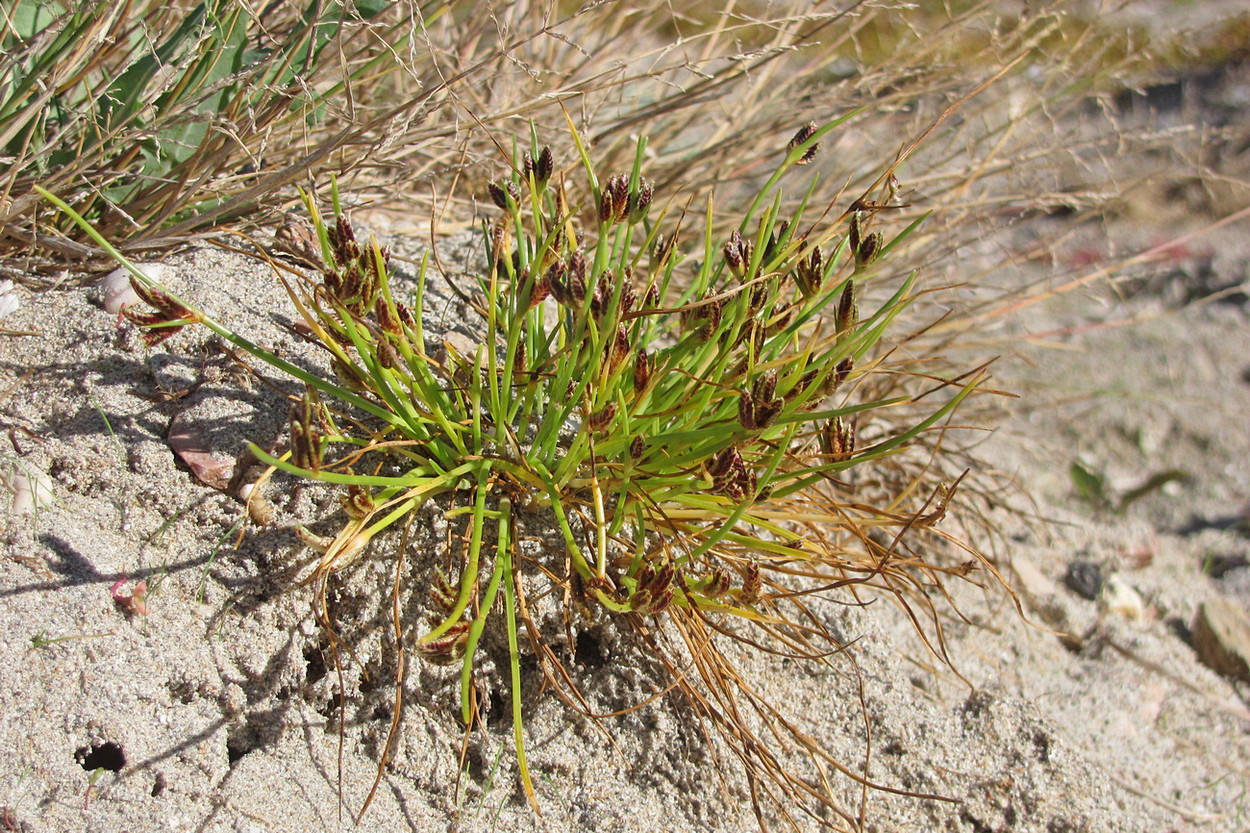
point(683, 413)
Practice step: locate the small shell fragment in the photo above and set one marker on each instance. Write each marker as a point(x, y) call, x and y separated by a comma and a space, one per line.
point(118, 293)
point(32, 490)
point(9, 302)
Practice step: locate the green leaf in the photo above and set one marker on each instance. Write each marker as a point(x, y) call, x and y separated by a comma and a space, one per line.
point(1090, 486)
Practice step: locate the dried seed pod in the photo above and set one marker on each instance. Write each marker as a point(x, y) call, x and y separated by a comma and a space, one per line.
point(848, 308)
point(636, 448)
point(321, 543)
point(805, 132)
point(358, 502)
point(259, 508)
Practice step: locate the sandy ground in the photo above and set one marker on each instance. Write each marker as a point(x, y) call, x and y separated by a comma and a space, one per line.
point(216, 711)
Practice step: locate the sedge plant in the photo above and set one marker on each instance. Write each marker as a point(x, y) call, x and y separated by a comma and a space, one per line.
point(682, 408)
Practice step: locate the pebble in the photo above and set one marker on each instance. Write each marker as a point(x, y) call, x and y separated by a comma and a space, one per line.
point(1222, 638)
point(1084, 578)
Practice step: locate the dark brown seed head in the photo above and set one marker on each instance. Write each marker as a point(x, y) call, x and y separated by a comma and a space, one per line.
point(737, 254)
point(869, 250)
point(766, 413)
point(752, 585)
point(637, 447)
point(652, 300)
point(746, 410)
point(848, 308)
point(544, 166)
point(642, 370)
point(405, 315)
point(617, 349)
point(765, 386)
point(837, 439)
point(856, 231)
point(358, 502)
point(662, 250)
point(343, 241)
point(809, 273)
point(555, 280)
point(305, 437)
point(539, 291)
point(448, 648)
point(500, 193)
point(718, 583)
point(843, 370)
point(628, 299)
point(618, 185)
point(602, 419)
point(640, 201)
point(805, 132)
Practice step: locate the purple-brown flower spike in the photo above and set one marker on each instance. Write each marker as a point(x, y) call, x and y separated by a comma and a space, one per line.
point(752, 585)
point(305, 438)
point(642, 370)
point(738, 254)
point(809, 273)
point(640, 200)
point(837, 440)
point(848, 308)
point(869, 250)
point(619, 186)
point(600, 420)
point(499, 194)
point(805, 132)
point(662, 250)
point(539, 168)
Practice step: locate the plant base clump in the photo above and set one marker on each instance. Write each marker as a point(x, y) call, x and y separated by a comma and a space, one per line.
point(711, 429)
